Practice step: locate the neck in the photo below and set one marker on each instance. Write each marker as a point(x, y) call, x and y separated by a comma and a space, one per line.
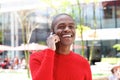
point(63, 50)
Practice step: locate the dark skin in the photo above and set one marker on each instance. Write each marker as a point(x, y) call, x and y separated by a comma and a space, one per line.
point(64, 35)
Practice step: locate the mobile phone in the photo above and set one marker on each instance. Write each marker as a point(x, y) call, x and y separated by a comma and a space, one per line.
point(51, 33)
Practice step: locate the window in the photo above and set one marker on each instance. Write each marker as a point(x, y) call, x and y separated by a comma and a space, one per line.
point(108, 12)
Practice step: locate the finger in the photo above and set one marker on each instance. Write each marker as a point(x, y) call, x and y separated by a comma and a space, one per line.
point(51, 42)
point(51, 45)
point(57, 39)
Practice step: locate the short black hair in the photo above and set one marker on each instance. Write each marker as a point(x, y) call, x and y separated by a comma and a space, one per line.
point(55, 17)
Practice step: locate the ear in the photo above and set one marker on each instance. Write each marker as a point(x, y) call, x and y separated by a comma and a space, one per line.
point(52, 30)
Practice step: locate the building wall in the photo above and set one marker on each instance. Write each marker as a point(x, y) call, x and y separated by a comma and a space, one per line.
point(107, 15)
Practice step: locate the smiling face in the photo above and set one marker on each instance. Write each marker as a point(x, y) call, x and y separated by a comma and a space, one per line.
point(64, 27)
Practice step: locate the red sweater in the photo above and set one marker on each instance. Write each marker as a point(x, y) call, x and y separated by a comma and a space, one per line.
point(46, 65)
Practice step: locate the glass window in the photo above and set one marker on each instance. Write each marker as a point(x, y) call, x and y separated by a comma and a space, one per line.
point(118, 14)
point(107, 46)
point(118, 11)
point(108, 12)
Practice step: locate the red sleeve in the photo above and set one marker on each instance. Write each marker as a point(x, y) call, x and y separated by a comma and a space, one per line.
point(41, 65)
point(88, 72)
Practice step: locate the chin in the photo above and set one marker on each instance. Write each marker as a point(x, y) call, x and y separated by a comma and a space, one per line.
point(67, 44)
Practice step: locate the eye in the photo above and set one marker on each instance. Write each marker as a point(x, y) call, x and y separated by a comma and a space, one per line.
point(72, 27)
point(61, 26)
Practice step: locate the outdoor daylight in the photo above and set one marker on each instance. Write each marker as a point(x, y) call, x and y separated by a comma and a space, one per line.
point(59, 39)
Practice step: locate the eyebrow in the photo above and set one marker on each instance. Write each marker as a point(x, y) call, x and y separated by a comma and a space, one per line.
point(64, 23)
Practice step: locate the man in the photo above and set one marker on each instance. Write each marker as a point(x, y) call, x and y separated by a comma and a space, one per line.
point(58, 62)
point(115, 73)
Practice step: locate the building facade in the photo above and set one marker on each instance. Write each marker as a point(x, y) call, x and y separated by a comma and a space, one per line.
point(102, 18)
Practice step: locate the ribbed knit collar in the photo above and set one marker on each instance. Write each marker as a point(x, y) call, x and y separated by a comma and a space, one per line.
point(64, 54)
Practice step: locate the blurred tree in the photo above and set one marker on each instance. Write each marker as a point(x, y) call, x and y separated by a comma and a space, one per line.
point(117, 47)
point(94, 26)
point(81, 24)
point(26, 33)
point(58, 6)
point(80, 30)
point(0, 37)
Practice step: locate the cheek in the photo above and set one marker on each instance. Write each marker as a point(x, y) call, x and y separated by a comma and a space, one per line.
point(74, 32)
point(58, 31)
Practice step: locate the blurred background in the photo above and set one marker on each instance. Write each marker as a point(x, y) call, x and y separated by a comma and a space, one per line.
point(25, 23)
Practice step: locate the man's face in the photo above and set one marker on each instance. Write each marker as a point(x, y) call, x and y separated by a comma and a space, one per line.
point(64, 27)
point(117, 73)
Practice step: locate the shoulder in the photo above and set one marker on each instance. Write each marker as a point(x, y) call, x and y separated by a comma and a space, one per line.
point(112, 77)
point(40, 54)
point(80, 58)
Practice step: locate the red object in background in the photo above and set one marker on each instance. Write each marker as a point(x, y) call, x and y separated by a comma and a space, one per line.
point(111, 3)
point(1, 51)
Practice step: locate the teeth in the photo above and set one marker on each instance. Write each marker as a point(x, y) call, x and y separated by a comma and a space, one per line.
point(66, 35)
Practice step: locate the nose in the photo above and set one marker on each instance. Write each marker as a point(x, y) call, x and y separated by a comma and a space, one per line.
point(67, 29)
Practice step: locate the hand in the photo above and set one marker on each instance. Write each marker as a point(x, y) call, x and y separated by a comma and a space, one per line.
point(52, 40)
